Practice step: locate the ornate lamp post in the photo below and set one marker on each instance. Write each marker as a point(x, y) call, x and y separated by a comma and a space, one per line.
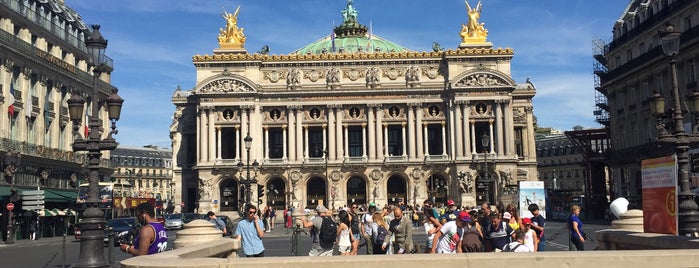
point(485, 141)
point(247, 182)
point(688, 214)
point(92, 223)
point(13, 159)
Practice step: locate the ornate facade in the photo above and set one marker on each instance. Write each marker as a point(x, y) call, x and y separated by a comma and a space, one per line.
point(353, 118)
point(44, 58)
point(633, 67)
point(142, 173)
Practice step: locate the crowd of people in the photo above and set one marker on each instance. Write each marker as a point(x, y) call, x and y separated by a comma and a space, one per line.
point(386, 230)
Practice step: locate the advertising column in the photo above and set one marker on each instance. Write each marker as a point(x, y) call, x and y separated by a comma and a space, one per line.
point(659, 190)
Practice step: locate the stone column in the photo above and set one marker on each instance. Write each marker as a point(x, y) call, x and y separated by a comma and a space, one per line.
point(341, 139)
point(291, 123)
point(218, 143)
point(372, 132)
point(498, 123)
point(244, 131)
point(411, 131)
point(425, 137)
point(200, 122)
point(473, 137)
point(299, 134)
point(403, 137)
point(492, 145)
point(305, 138)
point(345, 142)
point(385, 140)
point(510, 129)
point(451, 131)
point(284, 143)
point(466, 112)
point(331, 133)
point(266, 142)
point(237, 134)
point(364, 142)
point(418, 133)
point(530, 132)
point(381, 151)
point(212, 136)
point(459, 137)
point(444, 138)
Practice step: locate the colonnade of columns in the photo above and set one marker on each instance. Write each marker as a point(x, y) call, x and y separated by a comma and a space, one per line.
point(458, 129)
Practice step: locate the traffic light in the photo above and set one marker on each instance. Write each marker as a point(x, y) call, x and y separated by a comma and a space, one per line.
point(260, 193)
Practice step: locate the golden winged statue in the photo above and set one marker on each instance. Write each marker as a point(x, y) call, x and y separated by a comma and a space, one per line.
point(231, 36)
point(473, 32)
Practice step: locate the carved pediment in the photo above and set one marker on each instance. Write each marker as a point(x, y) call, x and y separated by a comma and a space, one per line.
point(483, 79)
point(225, 85)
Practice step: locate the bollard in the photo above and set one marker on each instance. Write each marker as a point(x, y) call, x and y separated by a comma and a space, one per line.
point(64, 250)
point(110, 247)
point(296, 238)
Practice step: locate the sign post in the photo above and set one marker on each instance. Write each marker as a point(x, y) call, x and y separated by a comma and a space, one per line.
point(10, 206)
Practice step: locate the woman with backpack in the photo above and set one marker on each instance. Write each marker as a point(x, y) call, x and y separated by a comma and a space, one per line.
point(344, 233)
point(379, 229)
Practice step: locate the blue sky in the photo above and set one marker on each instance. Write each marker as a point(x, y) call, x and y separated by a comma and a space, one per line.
point(152, 43)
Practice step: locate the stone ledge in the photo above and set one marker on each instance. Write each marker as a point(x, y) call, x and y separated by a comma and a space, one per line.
point(210, 254)
point(612, 239)
point(621, 259)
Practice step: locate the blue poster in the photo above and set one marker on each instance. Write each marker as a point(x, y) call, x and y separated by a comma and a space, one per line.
point(531, 192)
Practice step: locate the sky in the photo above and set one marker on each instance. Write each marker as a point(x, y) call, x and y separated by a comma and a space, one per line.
point(152, 43)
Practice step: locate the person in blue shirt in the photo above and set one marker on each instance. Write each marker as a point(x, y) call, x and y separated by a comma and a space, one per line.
point(251, 231)
point(577, 236)
point(538, 224)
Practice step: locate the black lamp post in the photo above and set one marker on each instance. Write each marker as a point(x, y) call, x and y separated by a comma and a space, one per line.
point(485, 141)
point(92, 222)
point(248, 182)
point(13, 159)
point(688, 214)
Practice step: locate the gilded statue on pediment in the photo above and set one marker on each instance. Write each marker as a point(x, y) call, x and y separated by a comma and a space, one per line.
point(232, 36)
point(473, 32)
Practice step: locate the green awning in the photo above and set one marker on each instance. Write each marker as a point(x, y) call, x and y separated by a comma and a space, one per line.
point(51, 195)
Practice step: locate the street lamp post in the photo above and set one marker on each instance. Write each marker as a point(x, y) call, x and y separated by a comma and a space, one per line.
point(92, 223)
point(13, 159)
point(485, 141)
point(688, 214)
point(247, 182)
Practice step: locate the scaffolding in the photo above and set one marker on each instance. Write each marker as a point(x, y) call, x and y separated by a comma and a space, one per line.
point(599, 65)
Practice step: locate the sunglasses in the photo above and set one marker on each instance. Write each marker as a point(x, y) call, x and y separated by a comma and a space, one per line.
point(354, 207)
point(251, 212)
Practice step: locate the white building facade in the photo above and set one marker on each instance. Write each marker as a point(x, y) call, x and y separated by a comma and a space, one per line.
point(352, 118)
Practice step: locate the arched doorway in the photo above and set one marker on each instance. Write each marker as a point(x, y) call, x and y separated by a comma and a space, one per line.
point(275, 193)
point(356, 191)
point(396, 188)
point(315, 192)
point(437, 189)
point(229, 195)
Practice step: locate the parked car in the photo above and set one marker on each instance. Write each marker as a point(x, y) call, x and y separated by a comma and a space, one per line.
point(187, 217)
point(123, 229)
point(173, 221)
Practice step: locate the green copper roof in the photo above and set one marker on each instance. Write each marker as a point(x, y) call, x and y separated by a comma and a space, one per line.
point(350, 37)
point(351, 44)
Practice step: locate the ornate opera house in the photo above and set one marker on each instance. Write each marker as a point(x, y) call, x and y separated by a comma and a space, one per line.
point(352, 118)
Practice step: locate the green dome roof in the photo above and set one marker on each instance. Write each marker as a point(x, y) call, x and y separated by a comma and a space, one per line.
point(350, 37)
point(351, 44)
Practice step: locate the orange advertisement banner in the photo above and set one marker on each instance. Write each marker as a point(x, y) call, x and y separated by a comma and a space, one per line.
point(659, 184)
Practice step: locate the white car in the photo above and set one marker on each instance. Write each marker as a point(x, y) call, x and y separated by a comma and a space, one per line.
point(173, 221)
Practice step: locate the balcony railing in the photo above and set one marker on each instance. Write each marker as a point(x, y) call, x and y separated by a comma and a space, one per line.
point(39, 151)
point(436, 158)
point(355, 159)
point(274, 162)
point(400, 158)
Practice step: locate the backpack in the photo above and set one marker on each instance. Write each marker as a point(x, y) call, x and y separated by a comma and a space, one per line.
point(327, 233)
point(508, 249)
point(380, 236)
